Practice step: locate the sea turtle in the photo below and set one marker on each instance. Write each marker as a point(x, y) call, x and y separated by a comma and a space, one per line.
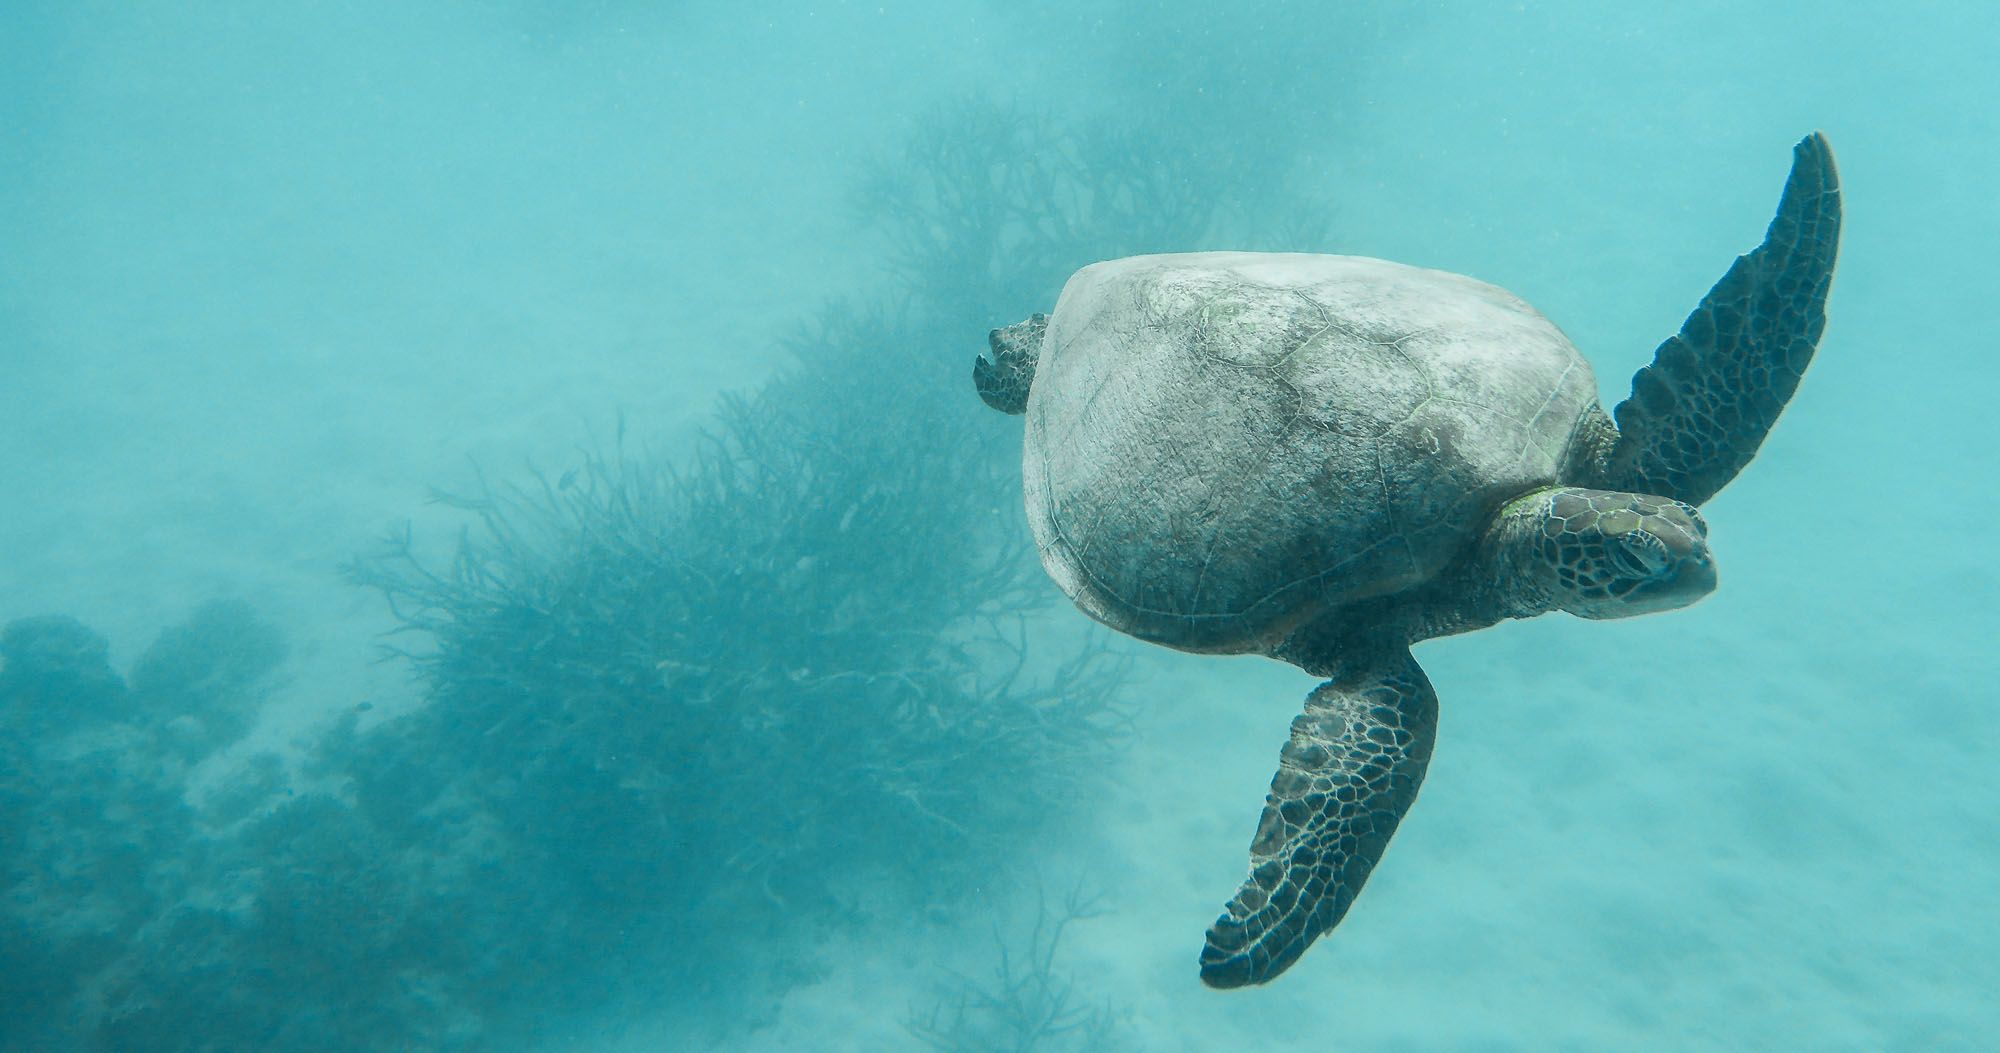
point(1326, 459)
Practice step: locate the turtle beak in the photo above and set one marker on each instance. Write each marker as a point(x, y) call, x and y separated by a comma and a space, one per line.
point(1697, 577)
point(1682, 582)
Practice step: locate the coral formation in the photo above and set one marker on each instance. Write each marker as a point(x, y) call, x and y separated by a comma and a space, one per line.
point(101, 844)
point(681, 716)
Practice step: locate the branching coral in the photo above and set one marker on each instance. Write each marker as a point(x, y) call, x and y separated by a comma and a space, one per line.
point(1028, 1004)
point(752, 684)
point(681, 714)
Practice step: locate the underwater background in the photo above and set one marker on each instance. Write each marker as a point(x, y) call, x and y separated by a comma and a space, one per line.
point(499, 548)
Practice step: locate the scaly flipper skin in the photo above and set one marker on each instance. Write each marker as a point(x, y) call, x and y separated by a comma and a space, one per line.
point(1005, 379)
point(1354, 763)
point(1698, 413)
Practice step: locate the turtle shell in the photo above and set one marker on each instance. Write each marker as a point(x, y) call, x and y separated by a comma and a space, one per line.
point(1222, 445)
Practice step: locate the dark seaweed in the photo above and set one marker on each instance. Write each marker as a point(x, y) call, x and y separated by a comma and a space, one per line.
point(682, 715)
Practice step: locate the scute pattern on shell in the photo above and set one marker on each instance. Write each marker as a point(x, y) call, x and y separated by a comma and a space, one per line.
point(1220, 445)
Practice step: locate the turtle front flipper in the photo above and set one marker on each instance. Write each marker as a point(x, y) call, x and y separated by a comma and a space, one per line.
point(1003, 380)
point(1353, 766)
point(1698, 413)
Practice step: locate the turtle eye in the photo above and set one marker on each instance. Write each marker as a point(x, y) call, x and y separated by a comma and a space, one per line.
point(1640, 555)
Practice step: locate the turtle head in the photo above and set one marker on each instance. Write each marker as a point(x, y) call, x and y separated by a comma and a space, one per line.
point(1608, 554)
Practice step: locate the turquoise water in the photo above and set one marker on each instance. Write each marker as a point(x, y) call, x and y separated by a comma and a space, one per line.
point(718, 751)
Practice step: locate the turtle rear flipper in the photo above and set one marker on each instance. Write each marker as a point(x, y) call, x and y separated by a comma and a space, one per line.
point(1003, 380)
point(1697, 414)
point(1351, 769)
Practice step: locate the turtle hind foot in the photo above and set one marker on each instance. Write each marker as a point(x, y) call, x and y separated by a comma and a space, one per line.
point(1003, 379)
